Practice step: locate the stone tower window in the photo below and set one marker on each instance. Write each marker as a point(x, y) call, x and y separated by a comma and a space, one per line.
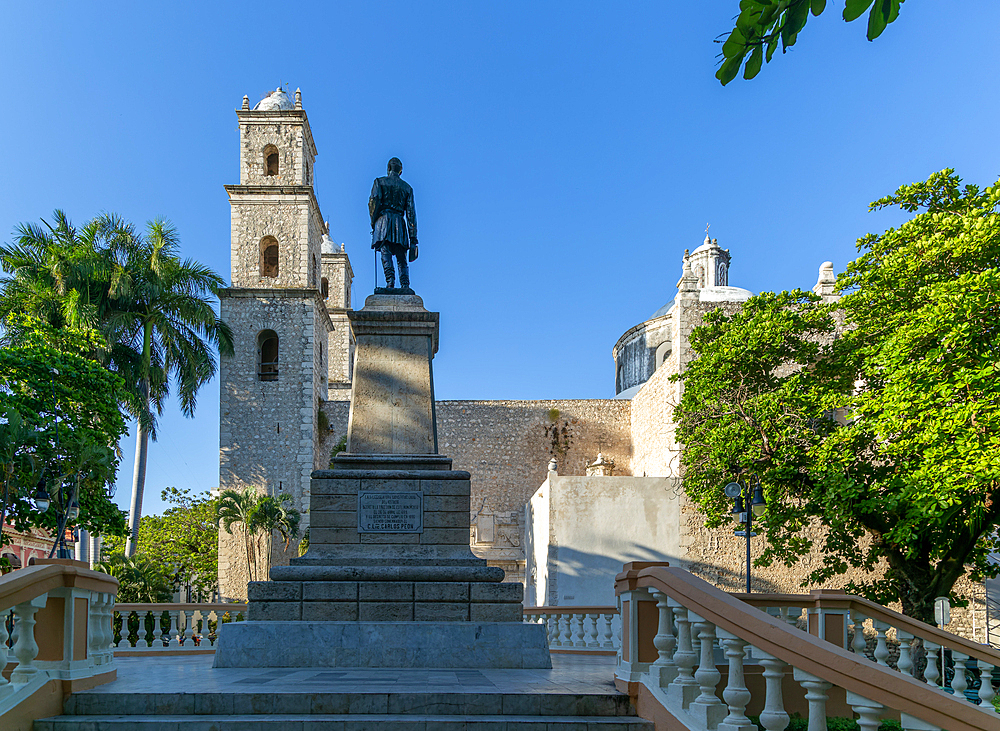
point(269, 257)
point(267, 355)
point(325, 287)
point(270, 160)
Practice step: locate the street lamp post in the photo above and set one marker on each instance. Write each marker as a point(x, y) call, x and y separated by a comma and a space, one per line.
point(748, 502)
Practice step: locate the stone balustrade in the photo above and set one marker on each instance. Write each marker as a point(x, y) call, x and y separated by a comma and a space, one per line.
point(171, 628)
point(55, 633)
point(695, 657)
point(888, 638)
point(584, 630)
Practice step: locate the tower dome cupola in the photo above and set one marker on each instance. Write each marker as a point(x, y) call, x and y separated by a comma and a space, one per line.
point(276, 101)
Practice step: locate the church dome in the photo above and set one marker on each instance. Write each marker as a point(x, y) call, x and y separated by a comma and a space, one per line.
point(277, 100)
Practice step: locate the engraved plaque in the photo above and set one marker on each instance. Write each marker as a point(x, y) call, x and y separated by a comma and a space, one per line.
point(390, 512)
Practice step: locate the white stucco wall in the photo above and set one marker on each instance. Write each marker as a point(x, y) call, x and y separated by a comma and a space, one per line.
point(580, 530)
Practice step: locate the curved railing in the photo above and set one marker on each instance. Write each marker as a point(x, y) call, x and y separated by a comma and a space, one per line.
point(585, 630)
point(171, 627)
point(671, 620)
point(56, 622)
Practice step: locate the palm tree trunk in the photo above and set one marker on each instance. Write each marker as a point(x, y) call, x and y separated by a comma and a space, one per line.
point(138, 483)
point(141, 446)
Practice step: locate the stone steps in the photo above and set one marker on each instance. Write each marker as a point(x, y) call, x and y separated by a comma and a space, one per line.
point(340, 722)
point(346, 711)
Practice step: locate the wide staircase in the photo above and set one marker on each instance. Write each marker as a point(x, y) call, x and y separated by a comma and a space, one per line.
point(346, 712)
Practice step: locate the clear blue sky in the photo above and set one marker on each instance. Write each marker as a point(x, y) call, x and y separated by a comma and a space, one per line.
point(563, 154)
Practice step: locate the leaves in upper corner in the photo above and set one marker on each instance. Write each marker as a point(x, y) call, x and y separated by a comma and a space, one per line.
point(753, 63)
point(761, 23)
point(854, 9)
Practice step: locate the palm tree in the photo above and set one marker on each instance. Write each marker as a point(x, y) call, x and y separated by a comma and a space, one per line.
point(275, 514)
point(138, 579)
point(153, 309)
point(237, 507)
point(158, 307)
point(58, 272)
point(259, 517)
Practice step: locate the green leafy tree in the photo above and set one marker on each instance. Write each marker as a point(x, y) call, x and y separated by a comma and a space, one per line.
point(182, 542)
point(140, 580)
point(65, 431)
point(257, 518)
point(888, 434)
point(154, 311)
point(763, 24)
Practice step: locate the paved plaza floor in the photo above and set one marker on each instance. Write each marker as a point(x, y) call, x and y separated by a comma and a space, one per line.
point(576, 674)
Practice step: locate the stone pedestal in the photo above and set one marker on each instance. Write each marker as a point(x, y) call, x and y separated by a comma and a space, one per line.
point(389, 579)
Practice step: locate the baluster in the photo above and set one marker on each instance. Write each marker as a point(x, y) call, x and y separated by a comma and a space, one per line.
point(566, 639)
point(664, 642)
point(549, 628)
point(5, 686)
point(790, 615)
point(905, 662)
point(859, 644)
point(593, 631)
point(554, 638)
point(93, 641)
point(104, 637)
point(108, 617)
point(707, 707)
point(869, 711)
point(25, 648)
point(881, 649)
point(773, 717)
point(986, 692)
point(959, 682)
point(580, 632)
point(736, 693)
point(559, 629)
point(609, 642)
point(931, 673)
point(105, 633)
point(683, 688)
point(175, 629)
point(816, 696)
point(189, 630)
point(140, 640)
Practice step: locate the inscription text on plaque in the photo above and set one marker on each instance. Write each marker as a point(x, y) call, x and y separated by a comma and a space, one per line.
point(390, 512)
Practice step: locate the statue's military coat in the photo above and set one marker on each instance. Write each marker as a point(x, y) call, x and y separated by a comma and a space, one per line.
point(391, 199)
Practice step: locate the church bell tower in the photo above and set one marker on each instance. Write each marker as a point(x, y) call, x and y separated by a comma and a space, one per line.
point(273, 388)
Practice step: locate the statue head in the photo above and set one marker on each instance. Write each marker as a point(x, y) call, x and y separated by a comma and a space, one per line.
point(395, 166)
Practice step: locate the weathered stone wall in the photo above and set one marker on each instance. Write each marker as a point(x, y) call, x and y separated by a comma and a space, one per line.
point(291, 220)
point(289, 132)
point(505, 446)
point(267, 427)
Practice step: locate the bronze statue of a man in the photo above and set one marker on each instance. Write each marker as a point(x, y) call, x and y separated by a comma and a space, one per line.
point(391, 201)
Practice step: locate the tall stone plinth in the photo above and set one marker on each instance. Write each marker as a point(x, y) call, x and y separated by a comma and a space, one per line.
point(389, 579)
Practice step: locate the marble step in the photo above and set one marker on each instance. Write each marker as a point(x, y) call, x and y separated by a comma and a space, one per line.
point(213, 703)
point(340, 722)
